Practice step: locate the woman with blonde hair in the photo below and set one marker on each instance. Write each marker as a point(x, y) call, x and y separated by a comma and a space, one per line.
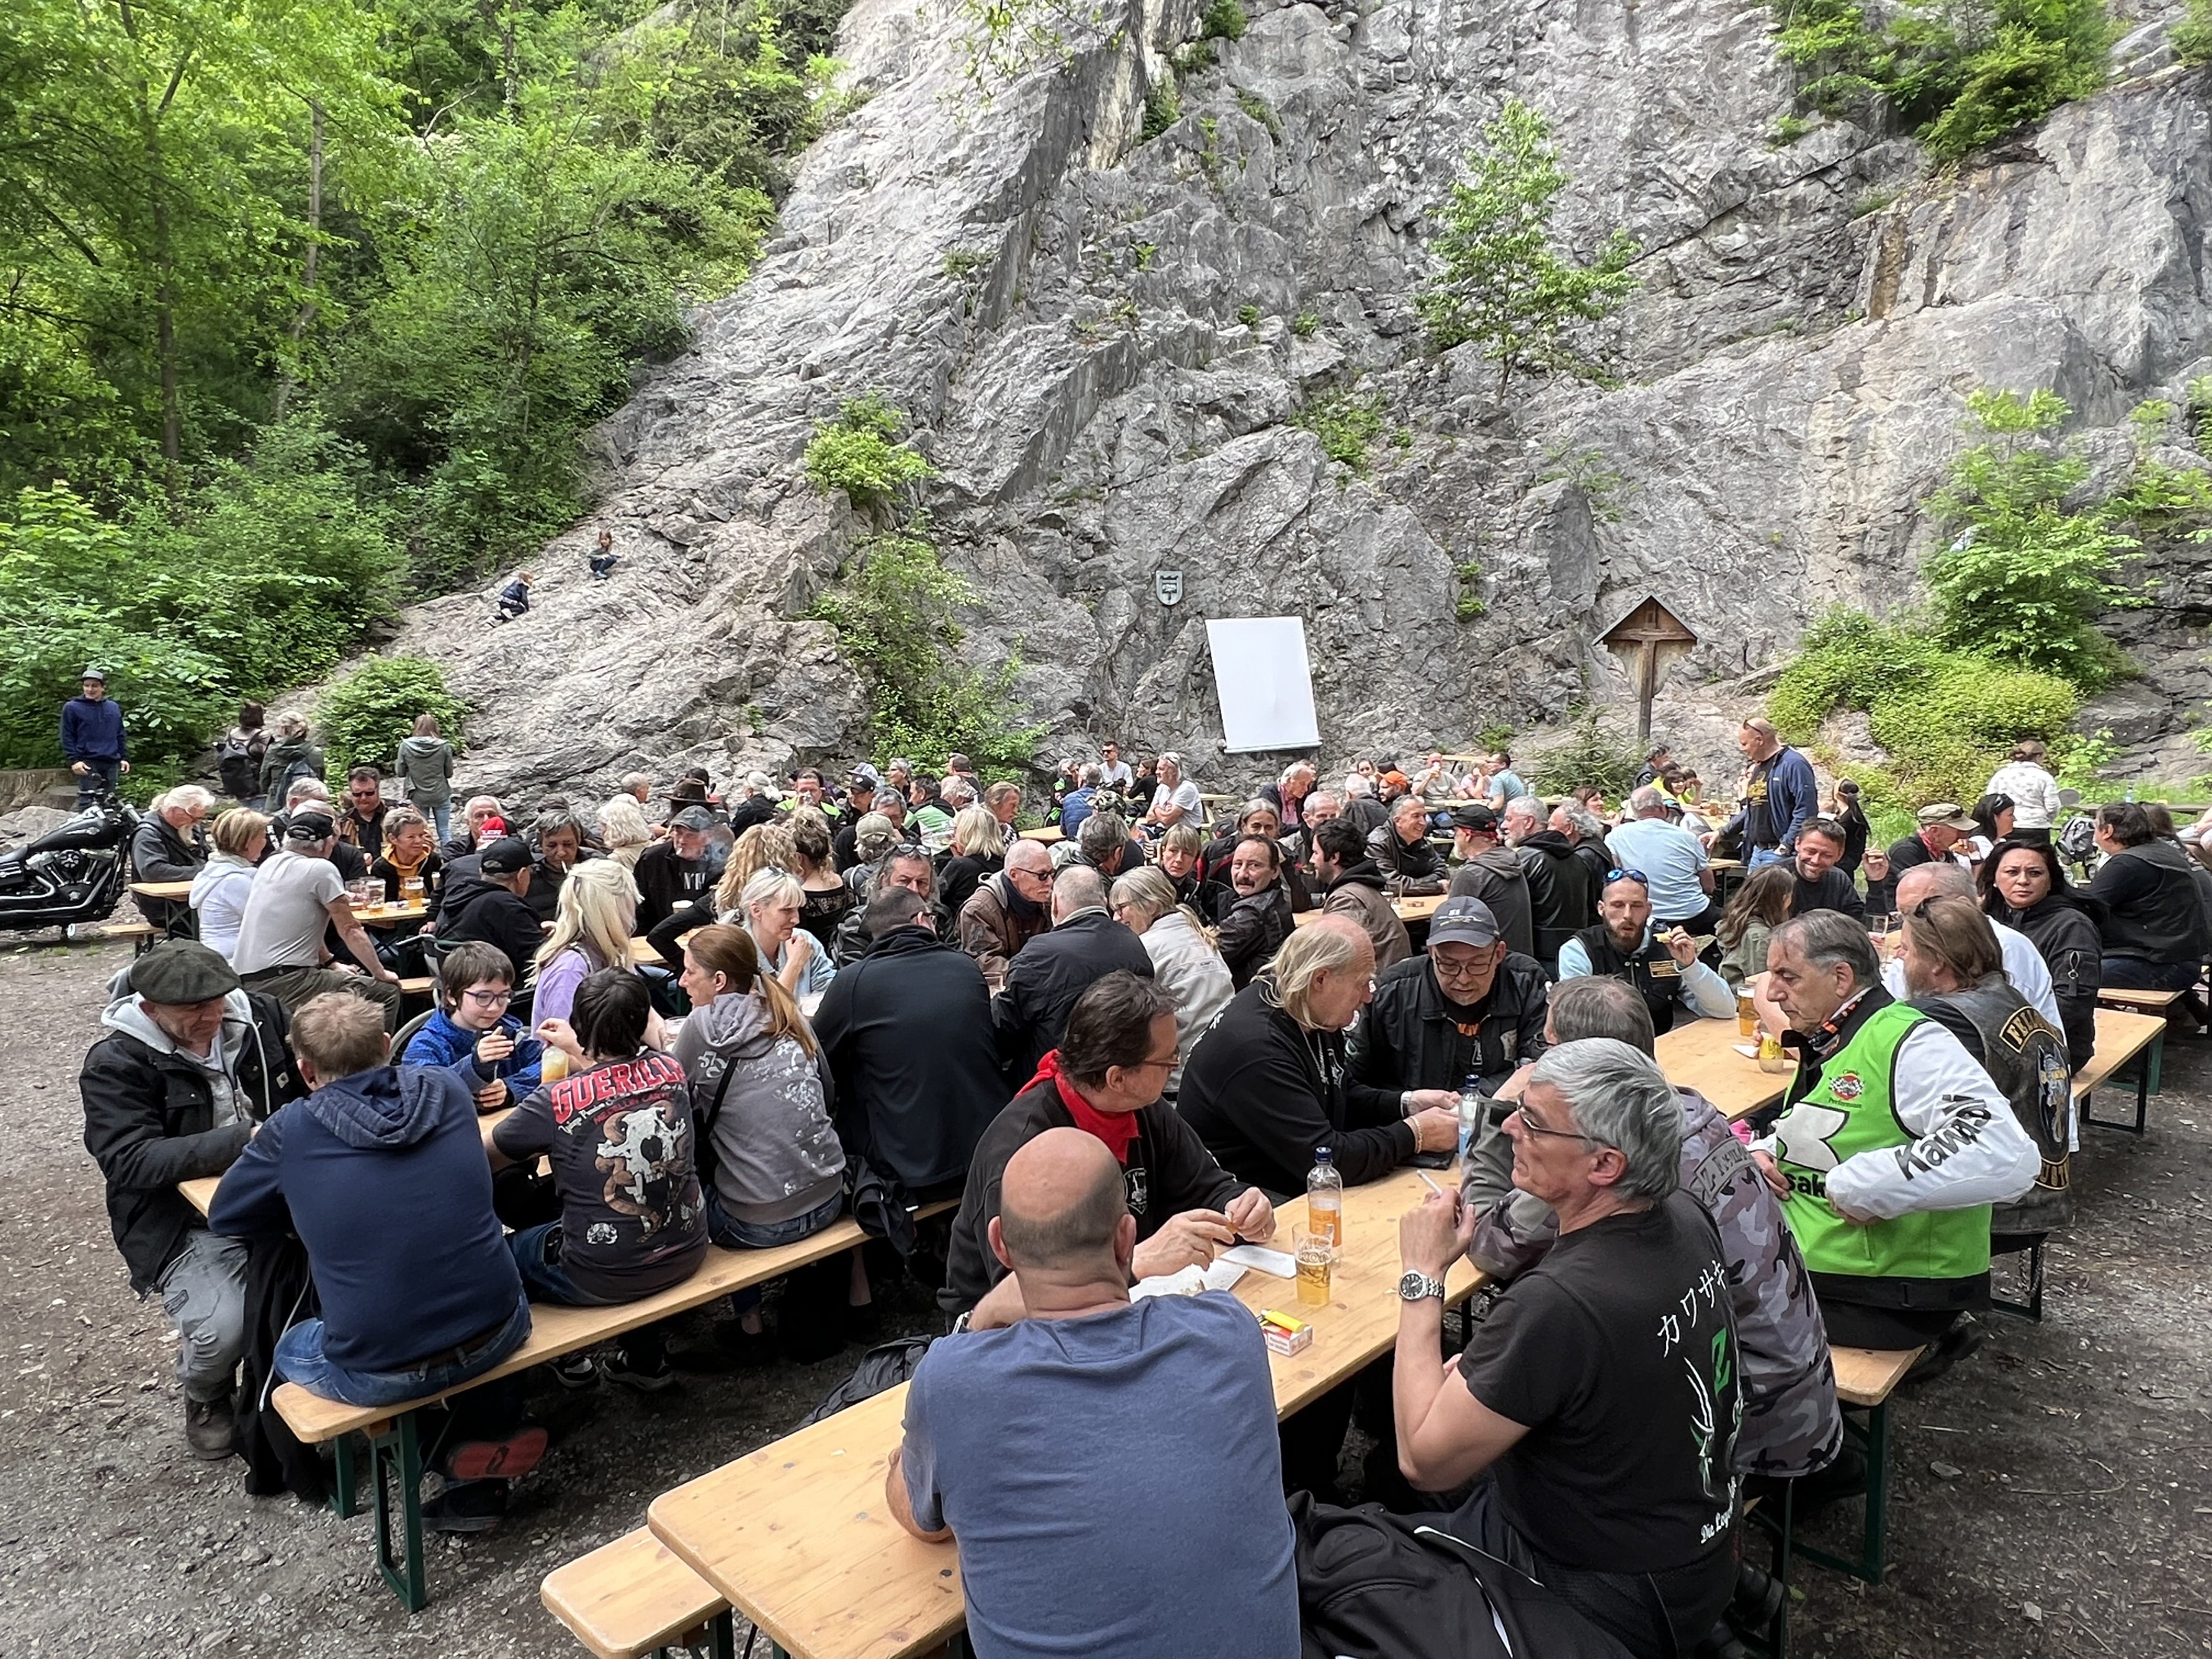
point(770, 906)
point(591, 931)
point(218, 896)
point(978, 851)
point(763, 847)
point(624, 831)
point(1185, 960)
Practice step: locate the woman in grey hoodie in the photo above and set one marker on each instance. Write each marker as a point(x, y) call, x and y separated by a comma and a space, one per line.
point(755, 1069)
point(426, 772)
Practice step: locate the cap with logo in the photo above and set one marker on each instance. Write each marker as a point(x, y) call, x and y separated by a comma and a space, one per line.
point(1463, 921)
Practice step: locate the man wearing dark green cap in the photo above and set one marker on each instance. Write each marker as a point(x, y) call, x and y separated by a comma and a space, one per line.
point(192, 1062)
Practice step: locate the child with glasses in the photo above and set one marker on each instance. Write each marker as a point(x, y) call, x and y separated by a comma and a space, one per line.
point(472, 1033)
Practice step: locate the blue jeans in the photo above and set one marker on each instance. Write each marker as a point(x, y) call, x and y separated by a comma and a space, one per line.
point(1763, 856)
point(301, 1359)
point(441, 816)
point(98, 779)
point(2141, 974)
point(538, 1255)
point(732, 1234)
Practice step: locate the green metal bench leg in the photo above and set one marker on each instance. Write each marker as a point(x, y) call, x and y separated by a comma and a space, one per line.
point(2154, 1064)
point(395, 1452)
point(1874, 1546)
point(2143, 1063)
point(344, 1503)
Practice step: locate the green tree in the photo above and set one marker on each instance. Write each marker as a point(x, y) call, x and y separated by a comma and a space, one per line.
point(362, 717)
point(2021, 579)
point(1505, 285)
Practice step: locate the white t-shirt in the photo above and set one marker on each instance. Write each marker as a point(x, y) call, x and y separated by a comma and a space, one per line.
point(287, 912)
point(1185, 795)
point(1117, 776)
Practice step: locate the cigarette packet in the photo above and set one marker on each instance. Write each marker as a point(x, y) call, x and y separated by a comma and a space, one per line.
point(1282, 1332)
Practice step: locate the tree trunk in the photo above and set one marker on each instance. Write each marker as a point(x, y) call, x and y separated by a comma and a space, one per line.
point(285, 379)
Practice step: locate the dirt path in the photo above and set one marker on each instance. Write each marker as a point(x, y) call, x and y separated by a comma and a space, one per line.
point(2066, 1469)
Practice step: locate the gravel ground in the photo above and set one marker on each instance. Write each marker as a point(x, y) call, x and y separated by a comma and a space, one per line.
point(2050, 1497)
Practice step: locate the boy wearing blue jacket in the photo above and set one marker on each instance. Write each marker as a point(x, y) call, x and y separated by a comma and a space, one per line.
point(473, 1035)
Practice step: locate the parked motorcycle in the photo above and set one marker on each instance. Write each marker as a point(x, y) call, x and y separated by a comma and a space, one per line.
point(73, 875)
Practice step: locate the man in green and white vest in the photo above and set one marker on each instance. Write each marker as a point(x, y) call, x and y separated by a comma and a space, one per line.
point(1891, 1147)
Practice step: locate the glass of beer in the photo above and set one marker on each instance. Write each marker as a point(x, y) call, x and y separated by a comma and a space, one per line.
point(1746, 1014)
point(410, 890)
point(1316, 1256)
point(555, 1066)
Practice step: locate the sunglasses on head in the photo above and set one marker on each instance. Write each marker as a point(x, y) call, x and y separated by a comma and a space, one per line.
point(1636, 876)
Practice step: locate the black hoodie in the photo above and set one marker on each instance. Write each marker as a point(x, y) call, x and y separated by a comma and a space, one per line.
point(907, 1030)
point(474, 909)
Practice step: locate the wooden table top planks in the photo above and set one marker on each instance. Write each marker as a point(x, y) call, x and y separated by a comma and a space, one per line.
point(797, 1536)
point(1701, 1054)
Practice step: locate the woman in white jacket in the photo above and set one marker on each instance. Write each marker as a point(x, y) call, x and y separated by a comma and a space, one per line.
point(218, 897)
point(2035, 793)
point(1184, 959)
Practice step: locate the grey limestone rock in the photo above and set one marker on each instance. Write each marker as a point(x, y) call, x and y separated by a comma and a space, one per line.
point(1103, 344)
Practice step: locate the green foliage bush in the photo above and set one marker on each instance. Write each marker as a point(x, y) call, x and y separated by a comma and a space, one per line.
point(1958, 76)
point(1595, 751)
point(267, 573)
point(1346, 423)
point(1163, 106)
point(1947, 718)
point(894, 609)
point(1223, 20)
point(2192, 35)
point(857, 453)
point(1505, 284)
point(361, 718)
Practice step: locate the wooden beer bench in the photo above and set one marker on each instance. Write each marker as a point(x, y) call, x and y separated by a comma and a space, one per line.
point(395, 1447)
point(631, 1597)
point(2123, 1037)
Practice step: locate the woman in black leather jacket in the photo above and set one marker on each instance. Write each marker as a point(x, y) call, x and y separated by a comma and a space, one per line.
point(2024, 886)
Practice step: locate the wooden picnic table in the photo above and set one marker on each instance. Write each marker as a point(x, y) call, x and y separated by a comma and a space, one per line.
point(1408, 910)
point(1048, 835)
point(1702, 1054)
point(796, 1535)
point(175, 891)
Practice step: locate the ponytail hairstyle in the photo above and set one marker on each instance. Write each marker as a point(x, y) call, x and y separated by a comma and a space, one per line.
point(724, 949)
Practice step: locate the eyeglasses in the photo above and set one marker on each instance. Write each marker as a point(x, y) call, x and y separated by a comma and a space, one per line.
point(489, 999)
point(1167, 1065)
point(1447, 968)
point(1636, 876)
point(1535, 1128)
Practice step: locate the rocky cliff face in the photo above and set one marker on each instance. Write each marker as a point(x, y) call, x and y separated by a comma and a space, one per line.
point(1104, 342)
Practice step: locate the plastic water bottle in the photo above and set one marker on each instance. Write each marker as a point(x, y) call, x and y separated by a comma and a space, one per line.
point(1325, 1198)
point(1471, 1113)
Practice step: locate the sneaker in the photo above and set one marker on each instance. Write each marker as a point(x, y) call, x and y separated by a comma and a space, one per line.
point(482, 1460)
point(730, 1347)
point(620, 1367)
point(208, 1430)
point(467, 1506)
point(575, 1371)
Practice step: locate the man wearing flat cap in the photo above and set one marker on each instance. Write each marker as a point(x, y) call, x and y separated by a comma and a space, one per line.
point(673, 870)
point(1942, 827)
point(297, 895)
point(492, 905)
point(191, 1063)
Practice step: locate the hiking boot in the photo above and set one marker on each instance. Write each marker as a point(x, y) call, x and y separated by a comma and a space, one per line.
point(575, 1371)
point(481, 1460)
point(1757, 1595)
point(467, 1506)
point(208, 1430)
point(1961, 1340)
point(646, 1377)
point(729, 1347)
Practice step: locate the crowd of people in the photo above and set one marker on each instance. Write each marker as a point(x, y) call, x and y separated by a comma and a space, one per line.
point(724, 1016)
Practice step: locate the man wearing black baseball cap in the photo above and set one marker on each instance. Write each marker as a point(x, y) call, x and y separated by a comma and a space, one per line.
point(297, 894)
point(1489, 872)
point(190, 1062)
point(673, 870)
point(1468, 1007)
point(491, 906)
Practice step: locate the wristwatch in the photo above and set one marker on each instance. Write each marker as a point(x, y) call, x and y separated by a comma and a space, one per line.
point(1417, 1285)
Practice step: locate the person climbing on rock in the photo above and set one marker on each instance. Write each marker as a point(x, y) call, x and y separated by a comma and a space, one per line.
point(602, 556)
point(514, 597)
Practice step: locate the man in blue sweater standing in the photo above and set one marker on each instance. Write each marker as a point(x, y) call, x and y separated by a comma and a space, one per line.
point(1780, 796)
point(91, 740)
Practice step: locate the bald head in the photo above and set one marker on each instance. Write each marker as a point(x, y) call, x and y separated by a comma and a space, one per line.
point(1029, 855)
point(1061, 1204)
point(1927, 881)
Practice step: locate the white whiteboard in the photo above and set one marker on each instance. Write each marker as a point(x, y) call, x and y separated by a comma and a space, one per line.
point(1266, 687)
